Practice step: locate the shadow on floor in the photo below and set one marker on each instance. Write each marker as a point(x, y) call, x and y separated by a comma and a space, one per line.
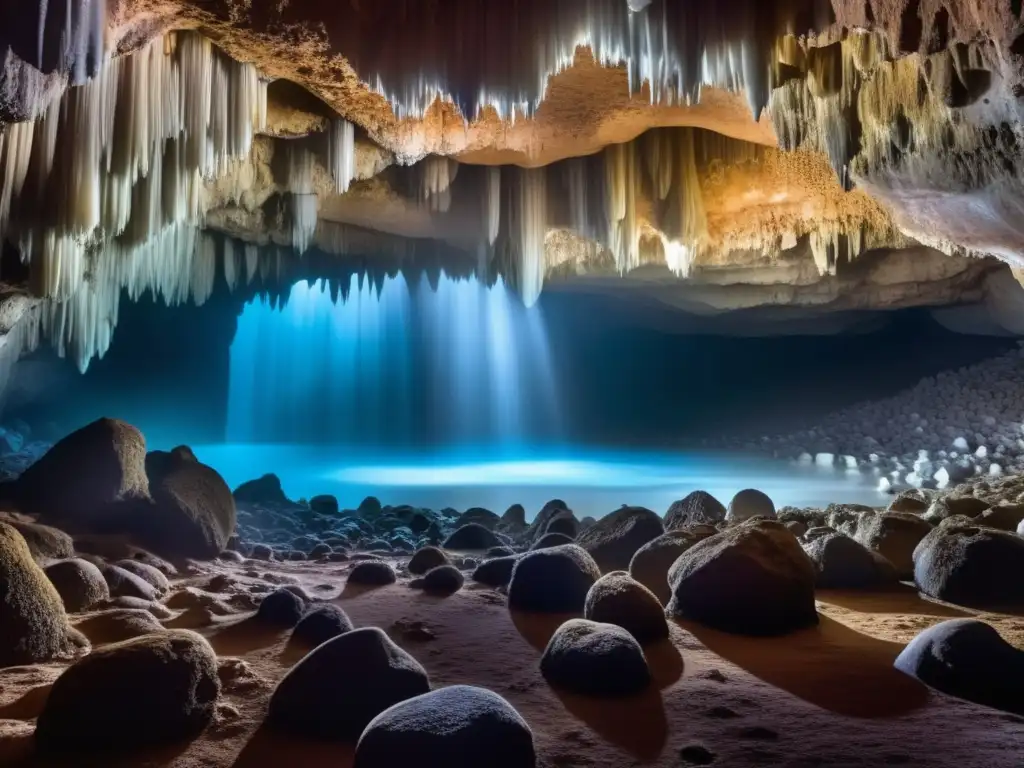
point(830, 666)
point(28, 705)
point(537, 628)
point(899, 598)
point(665, 662)
point(244, 636)
point(269, 749)
point(635, 724)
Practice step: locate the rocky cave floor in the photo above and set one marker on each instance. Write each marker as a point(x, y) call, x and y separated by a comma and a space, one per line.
point(717, 635)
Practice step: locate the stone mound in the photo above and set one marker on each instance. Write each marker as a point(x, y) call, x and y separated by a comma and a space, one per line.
point(44, 542)
point(320, 623)
point(553, 539)
point(79, 583)
point(595, 659)
point(973, 566)
point(552, 580)
point(372, 573)
point(844, 563)
point(151, 690)
point(651, 562)
point(750, 503)
point(453, 727)
point(148, 573)
point(443, 580)
point(472, 536)
point(752, 579)
point(281, 608)
point(496, 572)
point(616, 537)
point(894, 535)
point(426, 558)
point(340, 686)
point(616, 598)
point(564, 522)
point(698, 507)
point(124, 583)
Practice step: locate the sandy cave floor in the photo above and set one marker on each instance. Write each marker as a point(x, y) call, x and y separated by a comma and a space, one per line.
point(822, 697)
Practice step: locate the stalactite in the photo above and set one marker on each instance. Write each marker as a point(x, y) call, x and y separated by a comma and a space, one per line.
point(492, 203)
point(341, 153)
point(303, 210)
point(204, 268)
point(436, 177)
point(252, 261)
point(532, 220)
point(231, 265)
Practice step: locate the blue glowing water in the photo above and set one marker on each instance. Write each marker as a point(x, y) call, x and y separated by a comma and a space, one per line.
point(409, 366)
point(592, 482)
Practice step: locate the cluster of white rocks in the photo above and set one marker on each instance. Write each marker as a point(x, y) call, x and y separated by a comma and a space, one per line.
point(946, 429)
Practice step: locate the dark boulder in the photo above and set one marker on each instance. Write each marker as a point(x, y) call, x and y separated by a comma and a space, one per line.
point(972, 565)
point(123, 583)
point(324, 504)
point(44, 542)
point(320, 623)
point(262, 552)
point(480, 516)
point(913, 501)
point(751, 579)
point(499, 552)
point(472, 536)
point(152, 690)
point(617, 536)
point(595, 660)
point(539, 525)
point(947, 506)
point(443, 580)
point(340, 686)
point(496, 572)
point(616, 598)
point(33, 625)
point(370, 507)
point(651, 562)
point(427, 558)
point(968, 659)
point(148, 573)
point(514, 518)
point(893, 535)
point(552, 580)
point(263, 490)
point(79, 583)
point(1005, 517)
point(453, 727)
point(750, 503)
point(84, 477)
point(698, 507)
point(281, 608)
point(564, 522)
point(372, 573)
point(843, 563)
point(549, 540)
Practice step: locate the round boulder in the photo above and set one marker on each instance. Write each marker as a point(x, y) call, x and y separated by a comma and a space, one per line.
point(372, 573)
point(443, 580)
point(894, 535)
point(616, 537)
point(472, 536)
point(479, 515)
point(750, 503)
point(84, 476)
point(595, 659)
point(321, 623)
point(968, 659)
point(564, 522)
point(44, 541)
point(751, 579)
point(496, 572)
point(552, 580)
point(549, 540)
point(1005, 517)
point(514, 518)
point(148, 573)
point(616, 598)
point(972, 566)
point(79, 583)
point(33, 625)
point(698, 507)
point(451, 727)
point(340, 686)
point(843, 563)
point(150, 690)
point(651, 562)
point(124, 583)
point(263, 490)
point(426, 558)
point(281, 608)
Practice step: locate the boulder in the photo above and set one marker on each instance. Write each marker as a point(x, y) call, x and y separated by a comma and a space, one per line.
point(480, 516)
point(564, 522)
point(123, 583)
point(496, 572)
point(616, 598)
point(552, 580)
point(33, 625)
point(913, 501)
point(750, 503)
point(372, 573)
point(426, 558)
point(456, 727)
point(148, 573)
point(549, 540)
point(79, 583)
point(968, 659)
point(617, 536)
point(843, 563)
point(595, 659)
point(370, 507)
point(893, 535)
point(443, 580)
point(44, 542)
point(83, 478)
point(320, 623)
point(499, 552)
point(472, 536)
point(117, 624)
point(324, 504)
point(751, 579)
point(151, 690)
point(698, 507)
point(972, 566)
point(651, 562)
point(192, 514)
point(540, 523)
point(281, 608)
point(947, 506)
point(341, 685)
point(1005, 517)
point(514, 518)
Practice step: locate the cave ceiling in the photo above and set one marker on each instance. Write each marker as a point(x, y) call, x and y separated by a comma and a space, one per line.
point(810, 154)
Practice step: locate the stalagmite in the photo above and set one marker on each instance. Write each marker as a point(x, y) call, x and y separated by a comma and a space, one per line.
point(341, 153)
